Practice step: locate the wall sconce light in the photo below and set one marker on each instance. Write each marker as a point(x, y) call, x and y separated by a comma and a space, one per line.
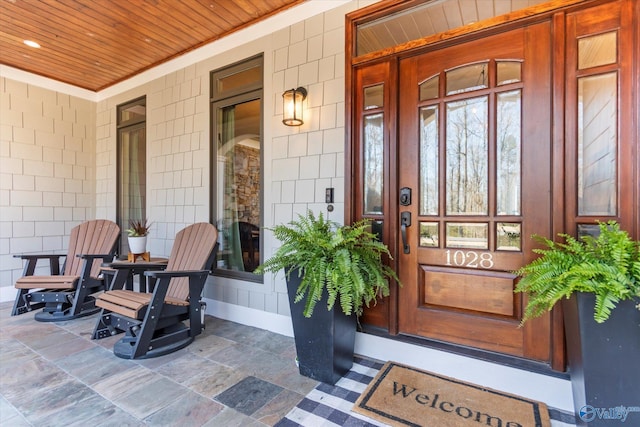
point(292, 106)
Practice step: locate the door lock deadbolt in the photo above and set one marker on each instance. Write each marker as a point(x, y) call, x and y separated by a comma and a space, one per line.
point(405, 196)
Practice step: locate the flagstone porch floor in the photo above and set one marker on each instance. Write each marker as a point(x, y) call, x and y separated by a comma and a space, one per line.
point(233, 375)
point(53, 374)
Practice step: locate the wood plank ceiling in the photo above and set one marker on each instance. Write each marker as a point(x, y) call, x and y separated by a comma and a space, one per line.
point(93, 44)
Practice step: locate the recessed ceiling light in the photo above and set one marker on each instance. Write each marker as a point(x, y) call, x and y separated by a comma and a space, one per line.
point(31, 43)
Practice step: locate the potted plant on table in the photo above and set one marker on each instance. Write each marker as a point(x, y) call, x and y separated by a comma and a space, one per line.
point(598, 281)
point(339, 267)
point(137, 236)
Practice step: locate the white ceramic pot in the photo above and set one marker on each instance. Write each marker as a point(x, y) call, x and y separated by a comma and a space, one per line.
point(137, 245)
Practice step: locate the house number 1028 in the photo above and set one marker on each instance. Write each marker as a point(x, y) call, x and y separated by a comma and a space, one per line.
point(469, 259)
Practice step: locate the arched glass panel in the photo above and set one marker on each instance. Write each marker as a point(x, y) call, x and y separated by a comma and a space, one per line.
point(467, 78)
point(429, 88)
point(508, 72)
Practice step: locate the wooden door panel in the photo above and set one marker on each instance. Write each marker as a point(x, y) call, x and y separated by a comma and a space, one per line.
point(458, 277)
point(488, 292)
point(473, 331)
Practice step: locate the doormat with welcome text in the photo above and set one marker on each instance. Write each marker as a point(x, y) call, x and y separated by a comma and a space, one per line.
point(404, 396)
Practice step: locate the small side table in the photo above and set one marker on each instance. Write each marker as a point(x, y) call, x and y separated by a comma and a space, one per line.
point(133, 257)
point(122, 273)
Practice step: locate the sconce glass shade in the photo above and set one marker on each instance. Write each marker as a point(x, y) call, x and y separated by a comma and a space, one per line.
point(292, 106)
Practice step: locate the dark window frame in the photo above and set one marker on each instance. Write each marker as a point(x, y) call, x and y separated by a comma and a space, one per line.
point(220, 99)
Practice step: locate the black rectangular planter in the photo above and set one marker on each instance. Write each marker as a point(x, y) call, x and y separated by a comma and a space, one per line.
point(604, 361)
point(325, 341)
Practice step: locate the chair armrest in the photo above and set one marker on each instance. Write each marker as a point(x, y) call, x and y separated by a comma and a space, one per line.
point(169, 274)
point(125, 270)
point(105, 257)
point(197, 279)
point(38, 256)
point(138, 266)
point(32, 260)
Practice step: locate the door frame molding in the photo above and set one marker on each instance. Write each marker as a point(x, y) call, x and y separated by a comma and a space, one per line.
point(554, 12)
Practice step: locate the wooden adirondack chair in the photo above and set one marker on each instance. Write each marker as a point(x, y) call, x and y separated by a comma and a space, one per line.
point(67, 294)
point(154, 322)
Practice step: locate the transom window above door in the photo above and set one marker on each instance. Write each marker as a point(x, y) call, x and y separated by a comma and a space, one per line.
point(428, 19)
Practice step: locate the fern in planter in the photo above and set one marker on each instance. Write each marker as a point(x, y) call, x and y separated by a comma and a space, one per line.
point(607, 266)
point(344, 260)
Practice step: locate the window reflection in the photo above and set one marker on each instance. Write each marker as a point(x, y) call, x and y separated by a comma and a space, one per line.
point(467, 78)
point(597, 50)
point(374, 97)
point(597, 145)
point(508, 72)
point(429, 88)
point(467, 235)
point(132, 167)
point(237, 80)
point(429, 161)
point(134, 113)
point(467, 157)
point(237, 167)
point(429, 234)
point(377, 228)
point(508, 153)
point(592, 230)
point(238, 183)
point(373, 163)
point(427, 19)
point(508, 236)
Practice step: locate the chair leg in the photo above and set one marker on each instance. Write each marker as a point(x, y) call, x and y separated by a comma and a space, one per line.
point(152, 337)
point(69, 304)
point(145, 334)
point(104, 328)
point(83, 302)
point(136, 343)
point(203, 309)
point(23, 303)
point(196, 317)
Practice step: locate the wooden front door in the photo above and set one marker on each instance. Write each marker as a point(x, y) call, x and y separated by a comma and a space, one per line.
point(474, 183)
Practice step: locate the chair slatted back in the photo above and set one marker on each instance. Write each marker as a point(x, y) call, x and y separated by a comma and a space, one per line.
point(191, 251)
point(91, 237)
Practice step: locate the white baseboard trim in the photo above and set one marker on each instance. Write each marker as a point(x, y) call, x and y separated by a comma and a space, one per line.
point(8, 293)
point(250, 316)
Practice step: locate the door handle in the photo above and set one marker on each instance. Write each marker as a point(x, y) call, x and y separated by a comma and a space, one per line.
point(405, 221)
